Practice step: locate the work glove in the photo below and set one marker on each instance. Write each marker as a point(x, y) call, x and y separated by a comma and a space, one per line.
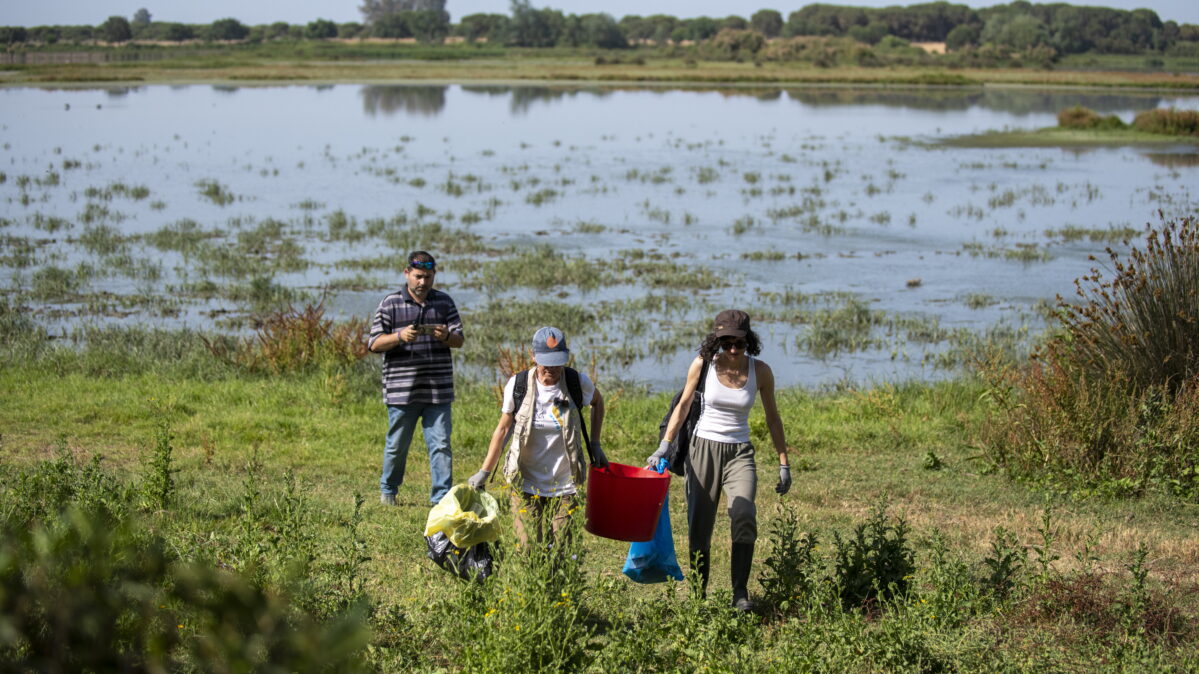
point(663, 449)
point(784, 484)
point(479, 479)
point(598, 459)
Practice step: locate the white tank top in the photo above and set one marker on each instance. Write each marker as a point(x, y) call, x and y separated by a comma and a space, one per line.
point(725, 417)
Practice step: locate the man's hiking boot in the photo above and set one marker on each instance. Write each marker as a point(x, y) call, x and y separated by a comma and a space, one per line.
point(742, 560)
point(387, 499)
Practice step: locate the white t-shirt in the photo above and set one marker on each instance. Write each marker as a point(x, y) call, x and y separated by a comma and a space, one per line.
point(543, 462)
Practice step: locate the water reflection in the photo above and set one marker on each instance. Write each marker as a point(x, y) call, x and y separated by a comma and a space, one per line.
point(1019, 102)
point(430, 101)
point(1174, 159)
point(426, 101)
point(524, 97)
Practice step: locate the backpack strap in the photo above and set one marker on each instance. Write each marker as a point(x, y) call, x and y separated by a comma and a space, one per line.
point(574, 388)
point(519, 388)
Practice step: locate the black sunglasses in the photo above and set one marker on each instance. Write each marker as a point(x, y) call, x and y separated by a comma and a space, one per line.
point(729, 342)
point(418, 264)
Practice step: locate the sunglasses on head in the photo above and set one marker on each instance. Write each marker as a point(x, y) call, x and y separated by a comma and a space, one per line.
point(731, 342)
point(418, 264)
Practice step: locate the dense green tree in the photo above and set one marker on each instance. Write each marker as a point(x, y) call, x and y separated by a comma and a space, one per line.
point(428, 25)
point(929, 22)
point(767, 22)
point(871, 33)
point(664, 26)
point(349, 30)
point(320, 29)
point(13, 34)
point(965, 35)
point(45, 34)
point(593, 30)
point(1018, 31)
point(531, 27)
point(141, 18)
point(391, 26)
point(278, 30)
point(733, 22)
point(474, 27)
point(76, 34)
point(698, 29)
point(635, 27)
point(227, 29)
point(115, 29)
point(177, 32)
point(376, 10)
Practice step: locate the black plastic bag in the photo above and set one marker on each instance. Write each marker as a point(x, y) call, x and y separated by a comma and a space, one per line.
point(473, 563)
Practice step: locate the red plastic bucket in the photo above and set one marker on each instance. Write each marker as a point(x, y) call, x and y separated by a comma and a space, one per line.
point(624, 502)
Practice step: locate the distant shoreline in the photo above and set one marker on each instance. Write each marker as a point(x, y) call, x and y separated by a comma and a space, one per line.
point(575, 70)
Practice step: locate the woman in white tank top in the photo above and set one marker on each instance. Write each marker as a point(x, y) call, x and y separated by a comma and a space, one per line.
point(721, 456)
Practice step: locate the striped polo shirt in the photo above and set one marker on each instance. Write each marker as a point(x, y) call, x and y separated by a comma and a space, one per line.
point(423, 371)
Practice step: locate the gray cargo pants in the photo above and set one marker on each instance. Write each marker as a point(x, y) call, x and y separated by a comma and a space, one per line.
point(711, 467)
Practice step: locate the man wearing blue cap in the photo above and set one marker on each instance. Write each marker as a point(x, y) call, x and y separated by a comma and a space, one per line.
point(415, 328)
point(545, 463)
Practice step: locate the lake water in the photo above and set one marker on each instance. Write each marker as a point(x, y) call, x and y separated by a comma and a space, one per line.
point(866, 251)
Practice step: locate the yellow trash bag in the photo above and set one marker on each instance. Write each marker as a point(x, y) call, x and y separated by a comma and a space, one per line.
point(466, 516)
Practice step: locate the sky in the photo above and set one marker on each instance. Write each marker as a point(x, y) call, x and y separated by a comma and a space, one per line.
point(93, 12)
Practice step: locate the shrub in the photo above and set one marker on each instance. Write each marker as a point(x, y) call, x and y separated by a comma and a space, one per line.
point(1142, 323)
point(788, 573)
point(1078, 117)
point(876, 563)
point(86, 594)
point(731, 44)
point(1112, 399)
point(1168, 121)
point(295, 340)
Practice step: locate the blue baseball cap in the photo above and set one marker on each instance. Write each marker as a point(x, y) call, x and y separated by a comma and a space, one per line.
point(549, 347)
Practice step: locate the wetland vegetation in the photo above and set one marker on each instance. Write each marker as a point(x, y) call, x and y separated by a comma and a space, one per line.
point(111, 234)
point(178, 426)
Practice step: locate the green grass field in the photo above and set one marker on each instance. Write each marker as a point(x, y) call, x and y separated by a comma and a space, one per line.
point(268, 468)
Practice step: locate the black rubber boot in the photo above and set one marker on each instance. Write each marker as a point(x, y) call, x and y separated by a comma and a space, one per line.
point(700, 558)
point(743, 559)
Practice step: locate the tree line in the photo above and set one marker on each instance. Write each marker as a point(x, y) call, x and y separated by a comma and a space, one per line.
point(1053, 29)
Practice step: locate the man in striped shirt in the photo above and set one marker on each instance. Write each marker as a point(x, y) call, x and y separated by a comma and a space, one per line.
point(414, 329)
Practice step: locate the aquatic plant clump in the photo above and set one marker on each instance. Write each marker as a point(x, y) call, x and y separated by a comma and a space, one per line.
point(1078, 117)
point(1168, 121)
point(1112, 400)
point(1139, 320)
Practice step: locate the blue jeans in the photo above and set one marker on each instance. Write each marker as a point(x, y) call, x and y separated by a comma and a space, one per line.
point(401, 424)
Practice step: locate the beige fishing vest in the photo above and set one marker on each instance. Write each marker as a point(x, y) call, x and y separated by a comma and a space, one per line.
point(572, 433)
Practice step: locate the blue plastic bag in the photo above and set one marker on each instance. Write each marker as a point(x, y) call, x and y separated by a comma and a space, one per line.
point(653, 561)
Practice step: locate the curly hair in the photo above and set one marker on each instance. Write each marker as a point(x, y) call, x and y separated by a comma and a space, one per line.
point(711, 345)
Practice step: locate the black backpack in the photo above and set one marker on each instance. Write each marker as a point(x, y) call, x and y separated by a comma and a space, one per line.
point(678, 458)
point(574, 388)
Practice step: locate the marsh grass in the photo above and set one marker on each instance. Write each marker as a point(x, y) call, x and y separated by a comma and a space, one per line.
point(183, 236)
point(1109, 403)
point(215, 192)
point(979, 300)
point(1112, 234)
point(1169, 121)
point(295, 340)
